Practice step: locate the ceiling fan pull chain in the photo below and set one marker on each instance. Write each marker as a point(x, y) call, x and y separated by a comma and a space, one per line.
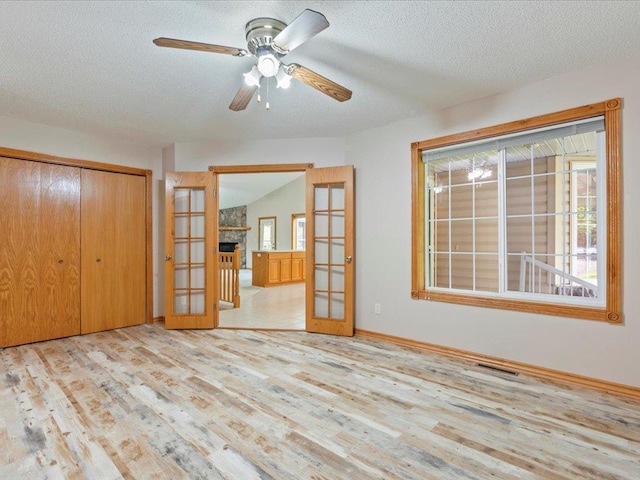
point(267, 94)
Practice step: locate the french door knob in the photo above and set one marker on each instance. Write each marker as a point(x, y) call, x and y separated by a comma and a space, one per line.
point(167, 257)
point(349, 258)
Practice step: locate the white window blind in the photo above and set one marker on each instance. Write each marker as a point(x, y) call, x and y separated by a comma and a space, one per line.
point(506, 141)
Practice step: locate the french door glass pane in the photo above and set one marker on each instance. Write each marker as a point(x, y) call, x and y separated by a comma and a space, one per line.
point(181, 302)
point(329, 248)
point(181, 226)
point(337, 306)
point(321, 305)
point(337, 224)
point(322, 252)
point(197, 276)
point(181, 251)
point(321, 197)
point(181, 200)
point(189, 251)
point(197, 225)
point(181, 277)
point(197, 200)
point(337, 279)
point(322, 278)
point(197, 302)
point(197, 250)
point(322, 224)
point(337, 197)
point(337, 251)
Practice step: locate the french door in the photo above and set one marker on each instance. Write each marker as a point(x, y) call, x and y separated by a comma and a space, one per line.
point(330, 250)
point(191, 283)
point(191, 241)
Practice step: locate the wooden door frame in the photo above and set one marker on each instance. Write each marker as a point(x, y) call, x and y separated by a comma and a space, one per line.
point(262, 168)
point(107, 167)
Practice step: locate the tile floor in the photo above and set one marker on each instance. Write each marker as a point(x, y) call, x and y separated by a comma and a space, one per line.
point(265, 308)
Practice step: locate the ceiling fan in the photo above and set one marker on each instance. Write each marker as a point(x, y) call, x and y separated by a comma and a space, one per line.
point(269, 40)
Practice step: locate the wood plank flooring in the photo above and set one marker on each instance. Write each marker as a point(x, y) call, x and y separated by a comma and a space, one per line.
point(143, 402)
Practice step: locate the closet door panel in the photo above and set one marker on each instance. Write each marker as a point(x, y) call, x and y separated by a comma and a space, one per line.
point(113, 250)
point(39, 251)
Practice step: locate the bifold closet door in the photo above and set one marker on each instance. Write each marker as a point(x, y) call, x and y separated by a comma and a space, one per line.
point(113, 243)
point(39, 251)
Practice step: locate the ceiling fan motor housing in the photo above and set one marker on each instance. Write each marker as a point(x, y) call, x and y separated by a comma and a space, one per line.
point(260, 33)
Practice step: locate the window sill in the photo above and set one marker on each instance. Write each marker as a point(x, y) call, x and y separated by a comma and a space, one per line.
point(544, 308)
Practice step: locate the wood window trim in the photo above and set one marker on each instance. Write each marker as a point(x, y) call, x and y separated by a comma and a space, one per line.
point(89, 164)
point(612, 312)
point(293, 229)
point(275, 231)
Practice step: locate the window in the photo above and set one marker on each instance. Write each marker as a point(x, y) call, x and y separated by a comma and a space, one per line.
point(584, 229)
point(522, 216)
point(298, 231)
point(267, 233)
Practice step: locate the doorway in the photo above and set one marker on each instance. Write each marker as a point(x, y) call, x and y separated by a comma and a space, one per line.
point(327, 265)
point(255, 212)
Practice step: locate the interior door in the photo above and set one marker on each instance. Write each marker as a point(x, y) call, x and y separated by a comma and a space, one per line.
point(113, 246)
point(191, 242)
point(330, 250)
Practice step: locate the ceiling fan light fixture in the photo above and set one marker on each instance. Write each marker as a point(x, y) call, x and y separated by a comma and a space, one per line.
point(252, 78)
point(283, 79)
point(268, 65)
point(268, 41)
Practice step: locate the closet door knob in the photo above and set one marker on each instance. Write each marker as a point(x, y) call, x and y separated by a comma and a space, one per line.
point(98, 260)
point(60, 261)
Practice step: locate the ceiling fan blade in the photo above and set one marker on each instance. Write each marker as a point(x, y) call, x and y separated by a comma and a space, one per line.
point(243, 97)
point(202, 47)
point(320, 83)
point(303, 27)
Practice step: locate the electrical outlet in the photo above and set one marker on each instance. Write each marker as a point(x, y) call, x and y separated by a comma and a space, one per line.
point(376, 309)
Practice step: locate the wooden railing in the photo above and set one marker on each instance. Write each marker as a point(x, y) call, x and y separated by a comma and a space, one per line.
point(229, 268)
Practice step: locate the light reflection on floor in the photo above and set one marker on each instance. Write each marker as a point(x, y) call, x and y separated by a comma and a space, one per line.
point(279, 307)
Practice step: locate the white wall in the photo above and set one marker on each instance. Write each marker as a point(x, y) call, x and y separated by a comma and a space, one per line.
point(383, 237)
point(281, 203)
point(34, 137)
point(198, 156)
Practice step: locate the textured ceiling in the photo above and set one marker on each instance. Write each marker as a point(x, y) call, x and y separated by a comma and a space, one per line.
point(92, 66)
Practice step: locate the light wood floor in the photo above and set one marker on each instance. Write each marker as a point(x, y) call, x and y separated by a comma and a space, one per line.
point(143, 402)
point(273, 308)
